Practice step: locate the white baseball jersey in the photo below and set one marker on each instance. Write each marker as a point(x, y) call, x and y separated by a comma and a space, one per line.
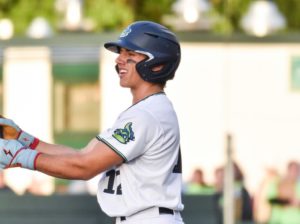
point(146, 136)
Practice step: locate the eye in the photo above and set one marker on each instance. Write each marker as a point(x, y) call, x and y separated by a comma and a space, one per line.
point(131, 54)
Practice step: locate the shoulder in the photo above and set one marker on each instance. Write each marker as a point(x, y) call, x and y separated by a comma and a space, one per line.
point(139, 119)
point(138, 112)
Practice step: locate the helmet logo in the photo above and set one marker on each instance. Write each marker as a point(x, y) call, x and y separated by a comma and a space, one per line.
point(125, 32)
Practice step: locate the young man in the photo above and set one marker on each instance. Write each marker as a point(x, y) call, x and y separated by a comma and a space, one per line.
point(140, 155)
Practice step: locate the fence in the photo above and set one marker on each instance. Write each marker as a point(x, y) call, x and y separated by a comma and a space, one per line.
point(78, 209)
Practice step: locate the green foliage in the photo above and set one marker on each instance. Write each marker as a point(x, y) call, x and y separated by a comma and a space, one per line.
point(228, 14)
point(151, 10)
point(6, 6)
point(108, 14)
point(222, 24)
point(25, 11)
point(116, 14)
point(22, 12)
point(290, 10)
point(112, 14)
point(105, 14)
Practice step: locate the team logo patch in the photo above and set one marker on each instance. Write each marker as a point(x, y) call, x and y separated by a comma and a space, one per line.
point(125, 32)
point(124, 135)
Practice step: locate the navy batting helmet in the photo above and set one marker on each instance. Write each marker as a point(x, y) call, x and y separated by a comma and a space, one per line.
point(155, 41)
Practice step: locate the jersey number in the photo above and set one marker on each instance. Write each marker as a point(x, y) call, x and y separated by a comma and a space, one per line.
point(111, 179)
point(113, 173)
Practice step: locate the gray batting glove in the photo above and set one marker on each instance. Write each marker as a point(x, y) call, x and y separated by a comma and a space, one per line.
point(14, 154)
point(12, 131)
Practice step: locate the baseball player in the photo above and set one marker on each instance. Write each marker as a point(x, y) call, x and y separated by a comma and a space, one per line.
point(139, 156)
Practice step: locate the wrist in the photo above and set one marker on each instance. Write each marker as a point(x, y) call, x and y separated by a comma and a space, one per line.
point(14, 154)
point(28, 140)
point(25, 158)
point(35, 160)
point(34, 143)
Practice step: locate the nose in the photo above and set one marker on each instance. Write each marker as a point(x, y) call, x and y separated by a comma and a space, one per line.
point(120, 59)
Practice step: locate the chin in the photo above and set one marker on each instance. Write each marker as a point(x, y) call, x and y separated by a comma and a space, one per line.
point(124, 85)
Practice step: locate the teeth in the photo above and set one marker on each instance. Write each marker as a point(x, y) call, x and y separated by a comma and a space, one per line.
point(122, 71)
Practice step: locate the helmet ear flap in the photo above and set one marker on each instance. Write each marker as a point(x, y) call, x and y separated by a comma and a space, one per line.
point(146, 70)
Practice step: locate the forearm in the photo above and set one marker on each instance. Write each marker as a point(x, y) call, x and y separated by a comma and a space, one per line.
point(53, 149)
point(72, 165)
point(59, 161)
point(95, 158)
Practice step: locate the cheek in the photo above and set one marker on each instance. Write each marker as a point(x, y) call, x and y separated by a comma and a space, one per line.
point(133, 70)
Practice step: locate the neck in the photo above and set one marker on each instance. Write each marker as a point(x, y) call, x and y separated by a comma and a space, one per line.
point(141, 93)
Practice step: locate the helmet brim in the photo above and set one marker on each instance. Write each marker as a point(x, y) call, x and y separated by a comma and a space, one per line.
point(117, 45)
point(113, 46)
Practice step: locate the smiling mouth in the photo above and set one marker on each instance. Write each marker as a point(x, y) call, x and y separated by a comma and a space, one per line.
point(121, 71)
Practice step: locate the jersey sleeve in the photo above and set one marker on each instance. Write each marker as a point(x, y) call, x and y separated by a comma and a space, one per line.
point(132, 134)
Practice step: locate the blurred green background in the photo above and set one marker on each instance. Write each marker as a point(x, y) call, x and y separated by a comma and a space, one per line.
point(105, 15)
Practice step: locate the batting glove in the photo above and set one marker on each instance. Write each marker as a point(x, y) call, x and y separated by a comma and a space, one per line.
point(12, 131)
point(14, 154)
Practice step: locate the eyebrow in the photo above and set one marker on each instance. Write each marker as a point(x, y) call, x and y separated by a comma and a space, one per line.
point(124, 49)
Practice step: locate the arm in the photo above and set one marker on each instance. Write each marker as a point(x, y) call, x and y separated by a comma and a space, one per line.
point(53, 149)
point(95, 158)
point(55, 160)
point(10, 130)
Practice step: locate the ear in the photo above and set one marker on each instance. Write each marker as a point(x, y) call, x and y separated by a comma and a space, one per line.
point(157, 68)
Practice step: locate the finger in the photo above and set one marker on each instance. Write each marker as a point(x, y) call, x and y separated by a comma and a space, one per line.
point(5, 121)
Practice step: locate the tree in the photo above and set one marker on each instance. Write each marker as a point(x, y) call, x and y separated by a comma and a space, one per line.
point(112, 14)
point(150, 10)
point(116, 14)
point(290, 9)
point(108, 14)
point(23, 12)
point(229, 14)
